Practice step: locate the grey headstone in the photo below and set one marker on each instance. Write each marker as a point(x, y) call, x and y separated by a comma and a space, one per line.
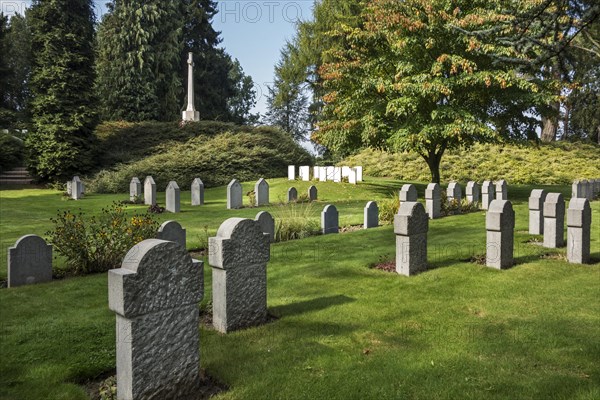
point(149, 191)
point(267, 224)
point(172, 231)
point(577, 190)
point(261, 191)
point(197, 192)
point(501, 190)
point(291, 172)
point(585, 185)
point(135, 189)
point(234, 195)
point(408, 193)
point(292, 194)
point(554, 220)
point(536, 211)
point(454, 192)
point(473, 192)
point(500, 226)
point(76, 188)
point(173, 197)
point(488, 193)
point(371, 214)
point(433, 200)
point(304, 172)
point(330, 222)
point(155, 296)
point(312, 193)
point(410, 226)
point(29, 261)
point(579, 223)
point(238, 256)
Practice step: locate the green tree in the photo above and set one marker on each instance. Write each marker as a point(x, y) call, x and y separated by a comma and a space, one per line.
point(139, 50)
point(287, 102)
point(222, 90)
point(423, 76)
point(62, 76)
point(243, 98)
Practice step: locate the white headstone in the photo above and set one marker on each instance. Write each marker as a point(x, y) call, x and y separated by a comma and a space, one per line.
point(173, 197)
point(149, 191)
point(197, 192)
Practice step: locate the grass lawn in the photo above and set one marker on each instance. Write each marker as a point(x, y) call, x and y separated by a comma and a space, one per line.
point(344, 330)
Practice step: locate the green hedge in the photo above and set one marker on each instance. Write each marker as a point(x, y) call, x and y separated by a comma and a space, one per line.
point(527, 163)
point(245, 154)
point(123, 142)
point(11, 151)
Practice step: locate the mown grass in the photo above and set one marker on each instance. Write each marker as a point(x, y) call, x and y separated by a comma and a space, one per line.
point(344, 330)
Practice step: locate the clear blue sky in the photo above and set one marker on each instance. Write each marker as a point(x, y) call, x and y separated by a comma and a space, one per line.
point(252, 31)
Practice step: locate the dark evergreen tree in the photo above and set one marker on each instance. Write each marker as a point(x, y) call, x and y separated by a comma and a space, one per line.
point(139, 50)
point(62, 106)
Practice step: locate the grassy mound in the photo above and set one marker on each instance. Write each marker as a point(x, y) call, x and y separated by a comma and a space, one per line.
point(123, 142)
point(244, 153)
point(554, 163)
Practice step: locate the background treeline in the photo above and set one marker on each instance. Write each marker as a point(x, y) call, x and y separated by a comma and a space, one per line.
point(427, 76)
point(62, 72)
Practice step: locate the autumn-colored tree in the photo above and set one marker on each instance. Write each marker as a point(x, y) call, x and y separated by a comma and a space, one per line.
point(427, 76)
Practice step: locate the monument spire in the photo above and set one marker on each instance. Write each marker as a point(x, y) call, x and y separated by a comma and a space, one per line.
point(190, 114)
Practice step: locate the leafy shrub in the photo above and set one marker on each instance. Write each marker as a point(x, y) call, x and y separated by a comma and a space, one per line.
point(388, 208)
point(296, 221)
point(121, 142)
point(11, 151)
point(454, 207)
point(263, 152)
point(97, 244)
point(525, 163)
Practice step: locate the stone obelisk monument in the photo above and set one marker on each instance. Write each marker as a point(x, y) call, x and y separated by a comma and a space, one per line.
point(190, 114)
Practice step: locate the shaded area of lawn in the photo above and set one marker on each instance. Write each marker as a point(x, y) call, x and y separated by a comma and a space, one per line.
point(344, 330)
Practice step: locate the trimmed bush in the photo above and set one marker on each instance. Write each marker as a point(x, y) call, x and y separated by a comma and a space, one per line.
point(11, 151)
point(526, 163)
point(124, 142)
point(244, 155)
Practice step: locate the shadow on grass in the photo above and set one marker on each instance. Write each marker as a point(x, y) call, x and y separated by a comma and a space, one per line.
point(316, 304)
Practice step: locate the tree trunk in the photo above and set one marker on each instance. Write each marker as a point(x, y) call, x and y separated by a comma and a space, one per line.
point(433, 160)
point(550, 125)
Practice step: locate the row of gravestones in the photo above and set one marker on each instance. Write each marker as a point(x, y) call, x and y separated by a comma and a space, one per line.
point(156, 291)
point(547, 217)
point(586, 189)
point(172, 193)
point(411, 226)
point(324, 174)
point(475, 194)
point(30, 259)
point(261, 194)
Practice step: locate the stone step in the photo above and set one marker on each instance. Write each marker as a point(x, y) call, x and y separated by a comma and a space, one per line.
point(15, 181)
point(16, 176)
point(13, 173)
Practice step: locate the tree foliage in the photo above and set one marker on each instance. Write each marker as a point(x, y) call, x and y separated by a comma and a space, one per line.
point(139, 50)
point(425, 76)
point(287, 102)
point(15, 70)
point(62, 105)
